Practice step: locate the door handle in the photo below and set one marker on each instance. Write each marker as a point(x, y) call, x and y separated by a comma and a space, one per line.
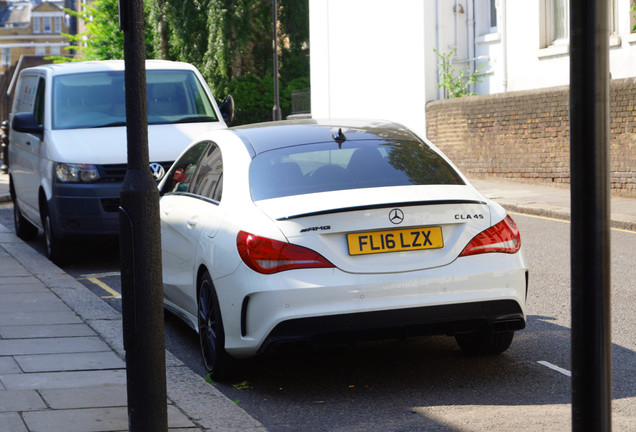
point(192, 223)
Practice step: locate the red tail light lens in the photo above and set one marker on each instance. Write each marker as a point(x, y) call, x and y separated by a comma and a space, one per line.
point(268, 256)
point(503, 237)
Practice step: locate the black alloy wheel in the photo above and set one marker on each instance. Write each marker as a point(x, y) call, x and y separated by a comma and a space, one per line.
point(218, 362)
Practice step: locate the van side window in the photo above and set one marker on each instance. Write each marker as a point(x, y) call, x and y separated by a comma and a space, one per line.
point(38, 107)
point(208, 180)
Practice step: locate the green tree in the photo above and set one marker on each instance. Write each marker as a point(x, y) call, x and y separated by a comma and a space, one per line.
point(102, 39)
point(294, 29)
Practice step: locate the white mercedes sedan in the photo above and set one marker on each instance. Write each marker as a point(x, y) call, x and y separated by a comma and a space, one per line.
point(303, 232)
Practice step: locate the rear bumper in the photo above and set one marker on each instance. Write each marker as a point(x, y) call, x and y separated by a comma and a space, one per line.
point(261, 313)
point(502, 315)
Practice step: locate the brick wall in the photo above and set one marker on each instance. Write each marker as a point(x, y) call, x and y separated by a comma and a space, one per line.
point(525, 135)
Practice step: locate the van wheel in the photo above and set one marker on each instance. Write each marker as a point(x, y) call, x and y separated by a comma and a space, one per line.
point(57, 249)
point(23, 228)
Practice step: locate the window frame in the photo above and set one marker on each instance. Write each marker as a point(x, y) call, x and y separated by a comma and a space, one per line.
point(47, 24)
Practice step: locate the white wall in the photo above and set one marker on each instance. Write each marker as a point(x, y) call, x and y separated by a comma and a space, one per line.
point(375, 59)
point(367, 60)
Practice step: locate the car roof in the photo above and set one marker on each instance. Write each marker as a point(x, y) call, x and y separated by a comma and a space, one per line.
point(105, 65)
point(262, 137)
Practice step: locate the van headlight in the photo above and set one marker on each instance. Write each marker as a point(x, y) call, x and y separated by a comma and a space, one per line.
point(76, 173)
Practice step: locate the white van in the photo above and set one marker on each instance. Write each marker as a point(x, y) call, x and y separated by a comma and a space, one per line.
point(68, 148)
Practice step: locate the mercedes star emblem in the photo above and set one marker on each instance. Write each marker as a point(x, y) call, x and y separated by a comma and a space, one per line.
point(396, 216)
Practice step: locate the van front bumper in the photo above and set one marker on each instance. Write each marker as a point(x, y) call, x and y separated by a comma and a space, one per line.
point(85, 209)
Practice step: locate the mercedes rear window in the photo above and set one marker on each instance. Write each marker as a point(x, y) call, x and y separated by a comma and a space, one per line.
point(327, 167)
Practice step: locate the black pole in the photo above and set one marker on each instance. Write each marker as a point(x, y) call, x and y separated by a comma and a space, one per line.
point(140, 245)
point(590, 239)
point(276, 114)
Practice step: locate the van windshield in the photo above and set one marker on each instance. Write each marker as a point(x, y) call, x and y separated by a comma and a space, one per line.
point(96, 99)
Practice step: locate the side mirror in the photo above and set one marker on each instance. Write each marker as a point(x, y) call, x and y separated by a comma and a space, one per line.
point(25, 122)
point(227, 109)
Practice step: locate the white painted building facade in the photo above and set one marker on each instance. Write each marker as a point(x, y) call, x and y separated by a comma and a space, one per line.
point(376, 59)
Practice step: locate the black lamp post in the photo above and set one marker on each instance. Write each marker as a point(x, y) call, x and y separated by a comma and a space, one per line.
point(140, 245)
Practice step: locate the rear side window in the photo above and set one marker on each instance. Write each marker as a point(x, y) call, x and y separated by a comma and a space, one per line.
point(208, 179)
point(354, 165)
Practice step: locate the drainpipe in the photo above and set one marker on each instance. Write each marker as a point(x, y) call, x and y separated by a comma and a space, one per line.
point(504, 46)
point(440, 90)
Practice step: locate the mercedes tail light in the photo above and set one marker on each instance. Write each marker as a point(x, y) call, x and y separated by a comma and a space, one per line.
point(503, 237)
point(268, 256)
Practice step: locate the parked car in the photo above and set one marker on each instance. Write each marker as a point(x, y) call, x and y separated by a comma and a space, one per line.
point(296, 232)
point(68, 146)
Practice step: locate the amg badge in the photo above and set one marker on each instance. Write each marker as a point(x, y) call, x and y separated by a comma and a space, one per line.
point(318, 228)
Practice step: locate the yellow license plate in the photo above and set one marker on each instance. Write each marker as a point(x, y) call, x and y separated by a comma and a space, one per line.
point(395, 240)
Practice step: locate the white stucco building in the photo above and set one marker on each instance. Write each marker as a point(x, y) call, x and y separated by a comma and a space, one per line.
point(375, 58)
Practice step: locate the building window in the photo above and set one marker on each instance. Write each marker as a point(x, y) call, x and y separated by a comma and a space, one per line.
point(46, 24)
point(493, 16)
point(486, 17)
point(58, 24)
point(40, 50)
point(555, 23)
point(559, 21)
point(632, 16)
point(55, 50)
point(36, 24)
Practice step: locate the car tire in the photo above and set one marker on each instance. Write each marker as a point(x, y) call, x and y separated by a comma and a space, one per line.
point(484, 343)
point(23, 228)
point(220, 365)
point(57, 250)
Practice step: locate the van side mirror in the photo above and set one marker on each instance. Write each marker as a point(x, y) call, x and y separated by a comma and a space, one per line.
point(227, 109)
point(25, 122)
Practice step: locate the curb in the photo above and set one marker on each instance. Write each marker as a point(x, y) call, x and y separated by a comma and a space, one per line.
point(561, 215)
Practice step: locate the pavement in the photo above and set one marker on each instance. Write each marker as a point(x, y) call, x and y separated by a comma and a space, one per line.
point(62, 366)
point(62, 362)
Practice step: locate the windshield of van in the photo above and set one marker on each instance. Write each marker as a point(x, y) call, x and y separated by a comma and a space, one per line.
point(97, 99)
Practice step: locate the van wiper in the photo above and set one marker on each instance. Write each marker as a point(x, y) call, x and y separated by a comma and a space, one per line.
point(113, 124)
point(197, 119)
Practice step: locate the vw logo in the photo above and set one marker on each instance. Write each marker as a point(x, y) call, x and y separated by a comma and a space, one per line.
point(157, 171)
point(396, 216)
